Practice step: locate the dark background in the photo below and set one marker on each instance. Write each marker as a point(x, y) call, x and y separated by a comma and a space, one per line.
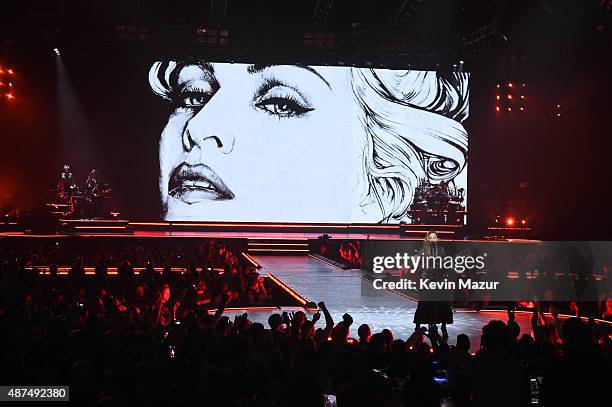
point(92, 106)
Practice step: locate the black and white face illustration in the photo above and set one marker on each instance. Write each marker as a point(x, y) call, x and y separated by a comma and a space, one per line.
point(294, 143)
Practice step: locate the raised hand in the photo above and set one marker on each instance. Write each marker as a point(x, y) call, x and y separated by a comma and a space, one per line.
point(316, 317)
point(240, 320)
point(285, 318)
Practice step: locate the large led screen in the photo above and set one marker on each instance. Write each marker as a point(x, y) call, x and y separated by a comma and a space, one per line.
point(297, 143)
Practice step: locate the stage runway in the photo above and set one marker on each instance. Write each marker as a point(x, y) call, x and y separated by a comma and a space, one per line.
point(345, 291)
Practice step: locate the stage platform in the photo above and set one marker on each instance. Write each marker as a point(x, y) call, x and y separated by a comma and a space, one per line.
point(346, 291)
point(275, 242)
point(227, 235)
point(306, 280)
point(312, 279)
point(241, 230)
point(233, 229)
point(254, 238)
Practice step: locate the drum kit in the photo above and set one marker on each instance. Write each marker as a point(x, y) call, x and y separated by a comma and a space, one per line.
point(82, 201)
point(437, 204)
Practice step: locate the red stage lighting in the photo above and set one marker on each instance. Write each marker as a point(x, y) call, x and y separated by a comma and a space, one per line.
point(497, 97)
point(510, 221)
point(521, 109)
point(497, 108)
point(10, 96)
point(498, 85)
point(510, 84)
point(509, 97)
point(10, 71)
point(509, 109)
point(522, 96)
point(523, 222)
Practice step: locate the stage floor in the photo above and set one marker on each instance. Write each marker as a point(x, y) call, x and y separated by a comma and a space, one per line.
point(246, 235)
point(345, 291)
point(228, 235)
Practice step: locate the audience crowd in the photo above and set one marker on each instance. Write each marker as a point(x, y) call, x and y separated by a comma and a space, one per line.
point(168, 339)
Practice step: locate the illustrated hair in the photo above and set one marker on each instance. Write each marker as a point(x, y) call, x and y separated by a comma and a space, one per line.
point(159, 77)
point(412, 121)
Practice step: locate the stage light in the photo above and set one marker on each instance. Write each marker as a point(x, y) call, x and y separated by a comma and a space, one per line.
point(523, 222)
point(510, 221)
point(10, 96)
point(510, 84)
point(498, 85)
point(10, 71)
point(497, 97)
point(509, 97)
point(523, 84)
point(56, 51)
point(521, 109)
point(497, 108)
point(509, 109)
point(522, 96)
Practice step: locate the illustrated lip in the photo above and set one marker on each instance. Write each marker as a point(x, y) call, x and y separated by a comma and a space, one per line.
point(194, 183)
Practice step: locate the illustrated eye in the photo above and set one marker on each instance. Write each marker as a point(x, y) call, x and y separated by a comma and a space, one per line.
point(283, 107)
point(193, 99)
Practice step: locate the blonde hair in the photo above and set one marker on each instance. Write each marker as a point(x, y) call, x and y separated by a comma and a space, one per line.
point(412, 121)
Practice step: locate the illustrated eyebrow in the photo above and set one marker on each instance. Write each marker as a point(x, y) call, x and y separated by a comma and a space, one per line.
point(255, 68)
point(207, 67)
